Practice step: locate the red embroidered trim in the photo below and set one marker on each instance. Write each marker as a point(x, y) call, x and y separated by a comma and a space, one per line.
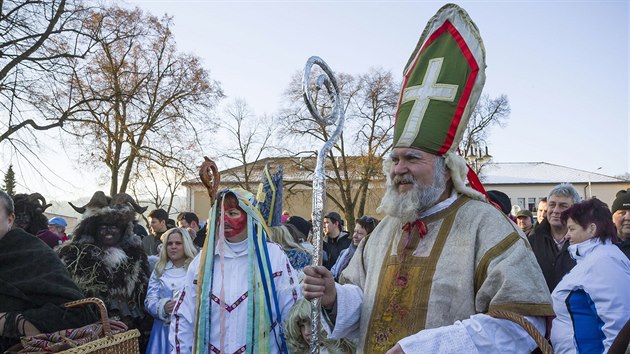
point(291, 282)
point(217, 351)
point(175, 312)
point(230, 308)
point(241, 349)
point(459, 111)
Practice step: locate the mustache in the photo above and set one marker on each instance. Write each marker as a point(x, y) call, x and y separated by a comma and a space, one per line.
point(406, 178)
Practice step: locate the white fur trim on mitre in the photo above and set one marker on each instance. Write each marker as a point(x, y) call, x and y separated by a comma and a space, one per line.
point(459, 170)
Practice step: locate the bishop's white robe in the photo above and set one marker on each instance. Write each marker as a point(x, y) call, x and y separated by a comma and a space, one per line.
point(430, 294)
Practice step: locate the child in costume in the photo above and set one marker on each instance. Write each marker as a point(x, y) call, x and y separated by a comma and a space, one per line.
point(298, 331)
point(166, 283)
point(239, 289)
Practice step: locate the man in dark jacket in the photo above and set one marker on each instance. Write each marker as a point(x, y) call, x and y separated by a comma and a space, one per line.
point(337, 240)
point(548, 241)
point(621, 217)
point(524, 221)
point(158, 220)
point(191, 220)
point(34, 285)
point(541, 212)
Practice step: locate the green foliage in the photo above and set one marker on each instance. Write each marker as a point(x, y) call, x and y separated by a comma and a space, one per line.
point(9, 181)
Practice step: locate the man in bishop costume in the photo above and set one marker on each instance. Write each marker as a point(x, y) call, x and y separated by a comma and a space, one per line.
point(443, 256)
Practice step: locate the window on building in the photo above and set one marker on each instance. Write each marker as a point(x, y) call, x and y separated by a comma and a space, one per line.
point(531, 204)
point(520, 202)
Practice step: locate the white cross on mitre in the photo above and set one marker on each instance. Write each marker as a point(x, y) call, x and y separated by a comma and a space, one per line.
point(429, 89)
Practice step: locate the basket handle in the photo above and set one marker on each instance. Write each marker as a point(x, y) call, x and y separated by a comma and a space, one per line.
point(540, 340)
point(107, 329)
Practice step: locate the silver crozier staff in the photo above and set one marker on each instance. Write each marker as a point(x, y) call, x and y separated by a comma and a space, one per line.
point(319, 180)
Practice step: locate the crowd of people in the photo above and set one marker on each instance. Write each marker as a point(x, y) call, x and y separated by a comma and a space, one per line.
point(427, 278)
point(373, 289)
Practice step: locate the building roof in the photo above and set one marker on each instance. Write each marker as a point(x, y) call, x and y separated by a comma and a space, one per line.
point(301, 169)
point(539, 173)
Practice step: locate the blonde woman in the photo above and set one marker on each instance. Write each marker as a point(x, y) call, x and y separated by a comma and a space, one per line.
point(165, 284)
point(294, 244)
point(298, 333)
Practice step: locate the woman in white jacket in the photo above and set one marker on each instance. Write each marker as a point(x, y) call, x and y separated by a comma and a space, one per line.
point(165, 284)
point(592, 302)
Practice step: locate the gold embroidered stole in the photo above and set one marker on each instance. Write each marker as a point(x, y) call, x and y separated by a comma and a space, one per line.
point(404, 286)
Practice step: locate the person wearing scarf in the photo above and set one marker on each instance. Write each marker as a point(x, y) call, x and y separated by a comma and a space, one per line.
point(238, 289)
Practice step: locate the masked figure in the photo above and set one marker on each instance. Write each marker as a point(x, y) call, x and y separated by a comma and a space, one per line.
point(238, 289)
point(106, 259)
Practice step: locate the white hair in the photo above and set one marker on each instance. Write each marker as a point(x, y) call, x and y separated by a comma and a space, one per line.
point(566, 190)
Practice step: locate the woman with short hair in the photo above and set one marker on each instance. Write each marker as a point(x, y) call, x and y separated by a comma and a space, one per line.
point(362, 229)
point(592, 301)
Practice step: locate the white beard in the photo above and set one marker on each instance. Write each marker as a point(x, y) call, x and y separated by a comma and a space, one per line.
point(408, 205)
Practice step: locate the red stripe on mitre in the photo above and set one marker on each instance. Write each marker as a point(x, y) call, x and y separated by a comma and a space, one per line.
point(447, 26)
point(431, 39)
point(459, 111)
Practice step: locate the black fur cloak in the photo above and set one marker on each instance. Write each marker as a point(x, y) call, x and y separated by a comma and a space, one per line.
point(117, 275)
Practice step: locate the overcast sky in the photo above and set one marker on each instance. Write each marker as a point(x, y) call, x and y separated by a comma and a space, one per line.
point(563, 65)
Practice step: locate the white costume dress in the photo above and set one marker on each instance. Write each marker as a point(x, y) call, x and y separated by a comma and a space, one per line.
point(161, 290)
point(592, 302)
point(235, 298)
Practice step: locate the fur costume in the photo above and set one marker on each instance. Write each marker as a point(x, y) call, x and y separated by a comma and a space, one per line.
point(29, 208)
point(118, 275)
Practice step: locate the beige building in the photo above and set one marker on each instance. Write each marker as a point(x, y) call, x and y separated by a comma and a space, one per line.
point(527, 182)
point(524, 182)
point(297, 183)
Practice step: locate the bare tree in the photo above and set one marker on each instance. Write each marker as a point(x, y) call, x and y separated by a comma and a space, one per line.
point(625, 176)
point(488, 112)
point(369, 102)
point(248, 140)
point(141, 100)
point(40, 41)
point(375, 114)
point(158, 183)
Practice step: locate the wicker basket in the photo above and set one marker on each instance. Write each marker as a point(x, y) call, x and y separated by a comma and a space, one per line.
point(540, 340)
point(121, 343)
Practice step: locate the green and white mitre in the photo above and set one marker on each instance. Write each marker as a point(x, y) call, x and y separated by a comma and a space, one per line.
point(442, 83)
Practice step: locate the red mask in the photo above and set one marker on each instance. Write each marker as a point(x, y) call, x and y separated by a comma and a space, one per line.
point(235, 219)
